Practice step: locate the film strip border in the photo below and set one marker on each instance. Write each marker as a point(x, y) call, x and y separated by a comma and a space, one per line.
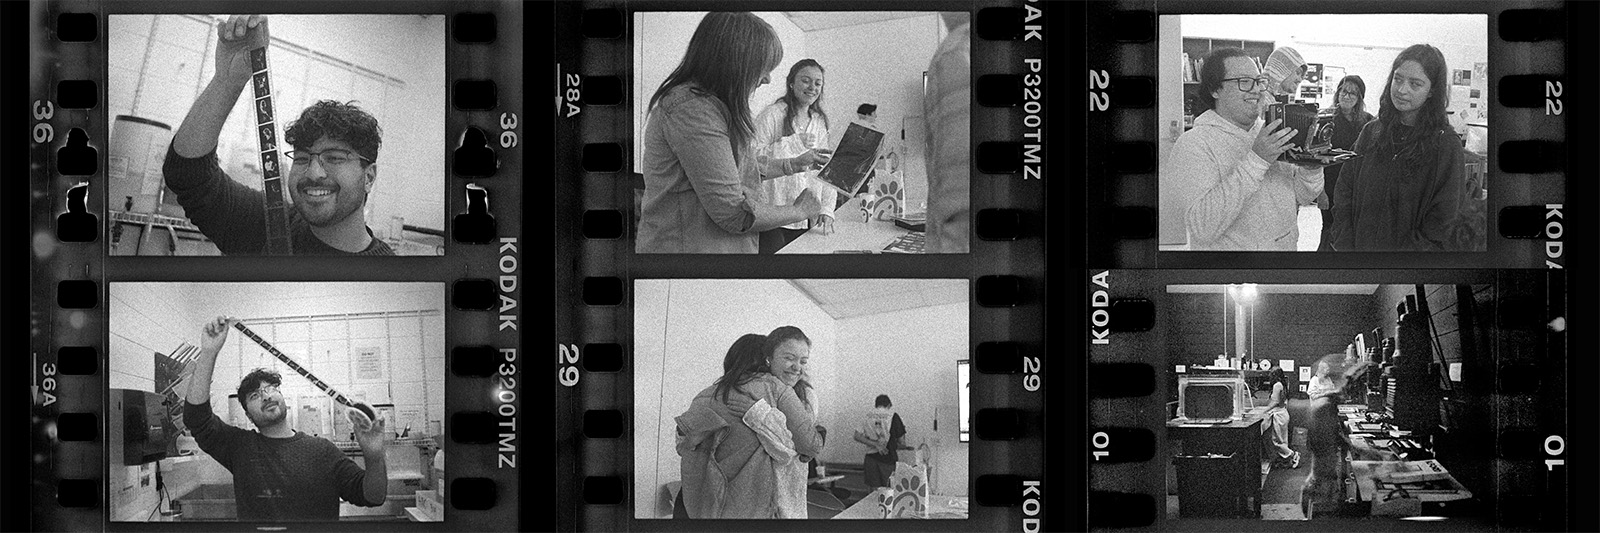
point(72, 272)
point(1527, 164)
point(594, 287)
point(1132, 318)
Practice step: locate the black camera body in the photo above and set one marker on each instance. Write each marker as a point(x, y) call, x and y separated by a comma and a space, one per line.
point(1315, 128)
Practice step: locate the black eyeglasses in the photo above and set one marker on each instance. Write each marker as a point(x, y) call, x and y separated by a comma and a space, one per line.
point(260, 393)
point(1248, 84)
point(329, 158)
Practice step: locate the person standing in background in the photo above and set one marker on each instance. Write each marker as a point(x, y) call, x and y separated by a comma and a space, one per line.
point(1285, 69)
point(1352, 115)
point(881, 431)
point(1277, 434)
point(948, 108)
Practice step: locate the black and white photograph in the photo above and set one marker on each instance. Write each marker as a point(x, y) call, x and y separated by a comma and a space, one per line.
point(802, 132)
point(276, 402)
point(801, 399)
point(1361, 402)
point(275, 134)
point(1327, 133)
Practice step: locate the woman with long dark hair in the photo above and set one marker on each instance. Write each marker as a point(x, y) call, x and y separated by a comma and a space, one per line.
point(1350, 117)
point(699, 171)
point(745, 440)
point(791, 126)
point(1405, 190)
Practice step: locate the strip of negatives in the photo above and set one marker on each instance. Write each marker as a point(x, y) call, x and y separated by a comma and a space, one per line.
point(72, 473)
point(1357, 400)
point(1219, 191)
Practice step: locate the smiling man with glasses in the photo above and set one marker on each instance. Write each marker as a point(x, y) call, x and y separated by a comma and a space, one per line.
point(280, 474)
point(1236, 195)
point(333, 152)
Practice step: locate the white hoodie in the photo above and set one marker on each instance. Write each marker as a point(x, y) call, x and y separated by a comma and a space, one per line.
point(1233, 199)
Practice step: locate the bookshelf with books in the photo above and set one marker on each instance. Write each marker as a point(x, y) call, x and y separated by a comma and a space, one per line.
point(1195, 49)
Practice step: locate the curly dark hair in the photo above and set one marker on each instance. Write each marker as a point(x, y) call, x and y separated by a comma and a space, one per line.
point(253, 381)
point(338, 121)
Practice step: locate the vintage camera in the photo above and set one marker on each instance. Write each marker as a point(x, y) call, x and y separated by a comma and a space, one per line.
point(1315, 128)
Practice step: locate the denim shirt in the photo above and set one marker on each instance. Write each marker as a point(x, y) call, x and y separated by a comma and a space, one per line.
point(696, 198)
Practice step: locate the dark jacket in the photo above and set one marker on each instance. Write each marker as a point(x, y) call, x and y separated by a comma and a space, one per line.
point(1404, 192)
point(1345, 133)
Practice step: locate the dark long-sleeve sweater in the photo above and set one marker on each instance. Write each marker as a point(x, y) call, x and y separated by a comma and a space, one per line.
point(295, 478)
point(234, 216)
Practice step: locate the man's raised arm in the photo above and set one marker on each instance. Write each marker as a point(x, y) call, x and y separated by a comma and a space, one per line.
point(236, 37)
point(211, 339)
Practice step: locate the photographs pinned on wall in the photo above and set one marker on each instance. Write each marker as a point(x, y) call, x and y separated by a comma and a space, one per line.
point(206, 378)
point(815, 398)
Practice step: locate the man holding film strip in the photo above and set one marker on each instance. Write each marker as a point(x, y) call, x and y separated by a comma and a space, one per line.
point(279, 473)
point(334, 162)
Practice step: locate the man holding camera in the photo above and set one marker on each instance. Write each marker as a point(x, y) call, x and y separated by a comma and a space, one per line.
point(1238, 195)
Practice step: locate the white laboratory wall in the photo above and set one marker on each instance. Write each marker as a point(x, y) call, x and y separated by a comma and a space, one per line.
point(145, 319)
point(911, 356)
point(158, 64)
point(682, 331)
point(877, 63)
point(660, 38)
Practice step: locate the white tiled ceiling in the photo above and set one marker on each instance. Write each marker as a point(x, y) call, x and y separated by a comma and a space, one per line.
point(1364, 290)
point(846, 298)
point(820, 20)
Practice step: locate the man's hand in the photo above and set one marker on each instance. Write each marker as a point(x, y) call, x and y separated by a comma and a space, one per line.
point(215, 334)
point(212, 336)
point(371, 435)
point(1272, 141)
point(236, 37)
